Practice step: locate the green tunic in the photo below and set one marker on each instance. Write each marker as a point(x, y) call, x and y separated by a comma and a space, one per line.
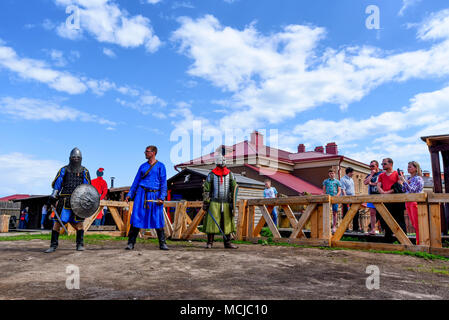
point(215, 210)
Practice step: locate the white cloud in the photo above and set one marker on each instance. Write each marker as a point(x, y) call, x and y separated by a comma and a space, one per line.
point(274, 77)
point(35, 109)
point(109, 53)
point(147, 104)
point(25, 174)
point(38, 70)
point(107, 23)
point(407, 4)
point(153, 1)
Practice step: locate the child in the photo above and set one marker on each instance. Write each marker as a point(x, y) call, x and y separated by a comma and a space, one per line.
point(332, 187)
point(271, 192)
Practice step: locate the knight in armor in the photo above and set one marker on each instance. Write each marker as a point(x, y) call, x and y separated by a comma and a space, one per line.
point(148, 191)
point(68, 178)
point(218, 201)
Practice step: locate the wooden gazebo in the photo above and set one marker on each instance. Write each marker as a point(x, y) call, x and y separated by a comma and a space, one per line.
point(440, 144)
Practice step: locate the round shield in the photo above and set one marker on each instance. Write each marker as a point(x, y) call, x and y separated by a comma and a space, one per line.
point(85, 201)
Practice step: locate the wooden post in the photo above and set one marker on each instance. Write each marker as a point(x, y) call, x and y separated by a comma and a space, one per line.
point(327, 214)
point(241, 219)
point(4, 223)
point(435, 225)
point(251, 217)
point(130, 212)
point(423, 225)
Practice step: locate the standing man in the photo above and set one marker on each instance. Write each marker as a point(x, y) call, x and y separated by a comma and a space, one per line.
point(148, 191)
point(332, 187)
point(218, 202)
point(385, 185)
point(371, 181)
point(347, 189)
point(44, 215)
point(66, 181)
point(23, 218)
point(271, 192)
point(102, 187)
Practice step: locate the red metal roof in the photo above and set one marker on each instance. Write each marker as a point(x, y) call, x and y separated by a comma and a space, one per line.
point(288, 180)
point(15, 197)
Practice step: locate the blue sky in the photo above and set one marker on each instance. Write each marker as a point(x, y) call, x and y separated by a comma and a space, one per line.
point(141, 72)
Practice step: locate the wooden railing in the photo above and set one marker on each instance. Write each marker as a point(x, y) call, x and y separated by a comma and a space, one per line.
point(317, 212)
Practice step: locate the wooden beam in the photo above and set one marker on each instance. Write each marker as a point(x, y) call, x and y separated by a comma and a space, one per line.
point(303, 242)
point(327, 218)
point(168, 227)
point(251, 217)
point(436, 172)
point(89, 221)
point(345, 222)
point(423, 225)
point(290, 215)
point(303, 220)
point(118, 220)
point(289, 200)
point(438, 148)
point(435, 226)
point(241, 219)
point(194, 224)
point(391, 222)
point(269, 220)
point(379, 246)
point(259, 227)
point(438, 197)
point(116, 204)
point(179, 220)
point(130, 212)
point(381, 198)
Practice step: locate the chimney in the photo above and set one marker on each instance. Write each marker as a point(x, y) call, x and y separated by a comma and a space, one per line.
point(332, 148)
point(301, 148)
point(319, 149)
point(112, 182)
point(257, 139)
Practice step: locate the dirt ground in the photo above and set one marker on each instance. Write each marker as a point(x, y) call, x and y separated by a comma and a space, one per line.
point(188, 271)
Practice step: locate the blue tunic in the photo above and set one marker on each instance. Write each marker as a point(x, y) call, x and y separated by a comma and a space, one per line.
point(148, 215)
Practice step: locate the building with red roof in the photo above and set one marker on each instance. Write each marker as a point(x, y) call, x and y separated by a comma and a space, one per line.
point(291, 173)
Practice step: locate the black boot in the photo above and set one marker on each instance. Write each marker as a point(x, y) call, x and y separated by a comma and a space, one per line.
point(161, 237)
point(132, 237)
point(53, 242)
point(227, 242)
point(80, 240)
point(210, 240)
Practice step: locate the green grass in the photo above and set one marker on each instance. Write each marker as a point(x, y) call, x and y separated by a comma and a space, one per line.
point(98, 239)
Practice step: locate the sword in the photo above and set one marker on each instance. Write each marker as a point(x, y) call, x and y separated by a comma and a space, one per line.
point(60, 222)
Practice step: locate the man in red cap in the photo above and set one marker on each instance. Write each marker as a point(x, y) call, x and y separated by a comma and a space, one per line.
point(102, 187)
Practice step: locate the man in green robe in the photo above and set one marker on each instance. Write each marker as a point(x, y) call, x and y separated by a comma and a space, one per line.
point(218, 198)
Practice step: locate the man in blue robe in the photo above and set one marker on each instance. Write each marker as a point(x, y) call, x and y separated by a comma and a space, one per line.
point(67, 179)
point(148, 191)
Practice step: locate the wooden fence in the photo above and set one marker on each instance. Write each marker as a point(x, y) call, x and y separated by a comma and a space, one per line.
point(318, 212)
point(188, 215)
